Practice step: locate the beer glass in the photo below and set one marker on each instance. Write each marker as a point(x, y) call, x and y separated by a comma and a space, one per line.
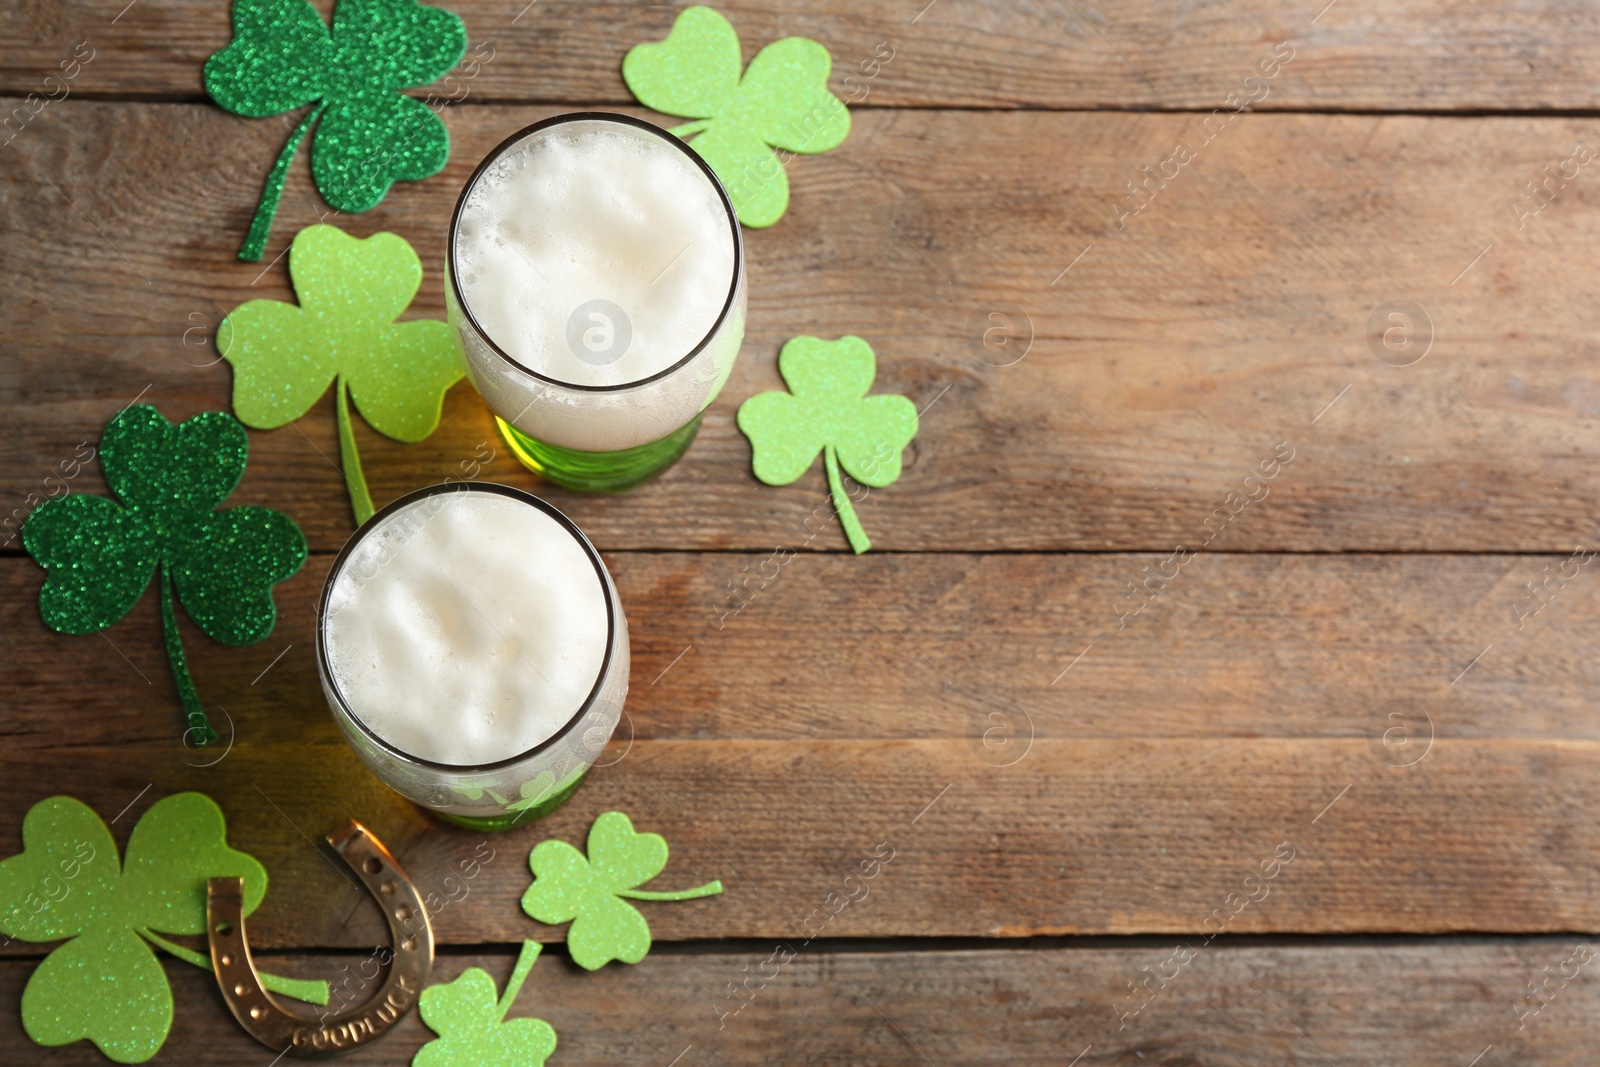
point(562, 227)
point(432, 650)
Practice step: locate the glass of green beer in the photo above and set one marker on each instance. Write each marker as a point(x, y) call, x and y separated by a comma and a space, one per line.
point(596, 285)
point(474, 652)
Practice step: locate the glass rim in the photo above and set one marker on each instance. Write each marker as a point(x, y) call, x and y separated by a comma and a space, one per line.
point(500, 150)
point(405, 501)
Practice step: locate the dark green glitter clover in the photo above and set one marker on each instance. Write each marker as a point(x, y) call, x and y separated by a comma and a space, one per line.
point(99, 554)
point(283, 56)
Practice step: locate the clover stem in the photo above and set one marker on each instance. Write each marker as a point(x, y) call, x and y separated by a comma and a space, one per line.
point(199, 724)
point(710, 889)
point(255, 242)
point(308, 990)
point(688, 128)
point(350, 459)
point(841, 503)
point(519, 974)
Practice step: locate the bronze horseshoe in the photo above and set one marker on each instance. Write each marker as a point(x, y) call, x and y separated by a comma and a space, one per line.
point(328, 1033)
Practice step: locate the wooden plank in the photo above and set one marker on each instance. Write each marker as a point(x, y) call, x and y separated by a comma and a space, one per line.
point(1077, 837)
point(1174, 357)
point(1245, 1005)
point(1414, 54)
point(935, 646)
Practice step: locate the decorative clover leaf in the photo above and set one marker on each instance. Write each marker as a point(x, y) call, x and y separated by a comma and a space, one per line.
point(106, 984)
point(284, 57)
point(827, 410)
point(586, 892)
point(534, 793)
point(782, 102)
point(98, 555)
point(472, 1026)
point(344, 332)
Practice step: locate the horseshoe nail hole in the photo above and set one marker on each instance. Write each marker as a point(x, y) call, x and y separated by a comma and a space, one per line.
point(403, 912)
point(373, 865)
point(226, 960)
point(240, 989)
point(409, 944)
point(389, 888)
point(257, 1012)
point(223, 929)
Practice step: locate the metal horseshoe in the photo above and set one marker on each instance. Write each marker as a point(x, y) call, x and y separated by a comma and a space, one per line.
point(326, 1033)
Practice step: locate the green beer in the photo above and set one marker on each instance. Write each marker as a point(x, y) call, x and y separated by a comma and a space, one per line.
point(473, 652)
point(597, 291)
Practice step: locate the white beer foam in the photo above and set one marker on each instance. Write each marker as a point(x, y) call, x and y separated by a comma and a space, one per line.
point(595, 212)
point(467, 629)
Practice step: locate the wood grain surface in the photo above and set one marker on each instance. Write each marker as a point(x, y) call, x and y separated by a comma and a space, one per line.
point(1076, 837)
point(1380, 1002)
point(1231, 316)
point(1408, 55)
point(788, 718)
point(940, 646)
point(1235, 598)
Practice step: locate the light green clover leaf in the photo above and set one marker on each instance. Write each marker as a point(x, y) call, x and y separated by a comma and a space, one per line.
point(782, 102)
point(99, 554)
point(534, 794)
point(283, 56)
point(106, 984)
point(344, 332)
point(827, 410)
point(587, 892)
point(472, 1026)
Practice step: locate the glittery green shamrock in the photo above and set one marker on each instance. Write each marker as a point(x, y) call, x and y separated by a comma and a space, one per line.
point(827, 410)
point(344, 332)
point(586, 892)
point(105, 984)
point(472, 1026)
point(284, 57)
point(99, 554)
point(782, 102)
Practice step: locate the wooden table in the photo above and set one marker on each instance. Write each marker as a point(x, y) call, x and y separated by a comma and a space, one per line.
point(1348, 666)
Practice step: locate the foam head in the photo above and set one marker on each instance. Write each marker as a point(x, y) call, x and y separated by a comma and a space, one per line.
point(466, 628)
point(595, 253)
